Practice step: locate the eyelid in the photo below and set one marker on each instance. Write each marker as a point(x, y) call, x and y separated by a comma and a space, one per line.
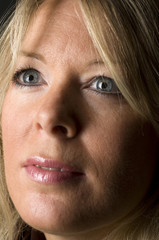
point(18, 73)
point(23, 70)
point(115, 90)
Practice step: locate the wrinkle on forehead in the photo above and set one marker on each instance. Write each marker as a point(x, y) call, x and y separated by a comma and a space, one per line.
point(58, 8)
point(57, 28)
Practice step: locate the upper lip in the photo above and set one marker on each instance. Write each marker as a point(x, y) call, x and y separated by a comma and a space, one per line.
point(50, 163)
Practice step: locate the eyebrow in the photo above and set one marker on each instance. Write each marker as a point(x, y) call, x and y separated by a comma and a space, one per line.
point(33, 55)
point(95, 62)
point(41, 58)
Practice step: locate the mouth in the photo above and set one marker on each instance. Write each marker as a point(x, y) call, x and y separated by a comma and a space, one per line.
point(52, 169)
point(48, 171)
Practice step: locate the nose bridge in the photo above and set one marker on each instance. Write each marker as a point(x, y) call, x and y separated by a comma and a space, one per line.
point(54, 100)
point(55, 112)
point(61, 89)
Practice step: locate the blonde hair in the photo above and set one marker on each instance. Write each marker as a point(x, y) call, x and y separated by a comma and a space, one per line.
point(125, 33)
point(127, 38)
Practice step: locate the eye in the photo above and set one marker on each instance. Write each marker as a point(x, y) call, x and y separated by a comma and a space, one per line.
point(104, 84)
point(28, 77)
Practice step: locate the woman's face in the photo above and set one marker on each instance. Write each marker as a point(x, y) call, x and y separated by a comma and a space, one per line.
point(77, 158)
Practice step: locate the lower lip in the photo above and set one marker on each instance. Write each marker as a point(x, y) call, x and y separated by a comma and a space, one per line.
point(50, 177)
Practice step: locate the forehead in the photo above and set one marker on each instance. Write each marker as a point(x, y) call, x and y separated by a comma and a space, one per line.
point(57, 30)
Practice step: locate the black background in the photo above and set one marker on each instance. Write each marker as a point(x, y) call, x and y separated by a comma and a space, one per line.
point(5, 5)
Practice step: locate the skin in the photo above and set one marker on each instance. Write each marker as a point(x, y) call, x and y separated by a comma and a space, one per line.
point(98, 133)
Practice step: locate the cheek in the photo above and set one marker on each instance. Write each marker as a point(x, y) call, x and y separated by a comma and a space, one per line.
point(121, 135)
point(9, 125)
point(15, 124)
point(124, 153)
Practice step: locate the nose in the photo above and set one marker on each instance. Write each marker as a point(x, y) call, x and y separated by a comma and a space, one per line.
point(55, 115)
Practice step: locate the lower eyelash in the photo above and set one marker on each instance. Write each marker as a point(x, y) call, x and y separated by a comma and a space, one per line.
point(106, 94)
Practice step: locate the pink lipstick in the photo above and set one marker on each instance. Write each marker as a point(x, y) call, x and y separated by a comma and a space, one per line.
point(49, 171)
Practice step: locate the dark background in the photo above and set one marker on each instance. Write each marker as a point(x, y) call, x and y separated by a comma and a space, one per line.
point(5, 5)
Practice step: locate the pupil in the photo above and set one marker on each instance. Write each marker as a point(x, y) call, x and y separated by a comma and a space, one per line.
point(104, 85)
point(31, 78)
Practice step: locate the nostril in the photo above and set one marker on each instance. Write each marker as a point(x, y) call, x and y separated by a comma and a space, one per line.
point(61, 129)
point(65, 131)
